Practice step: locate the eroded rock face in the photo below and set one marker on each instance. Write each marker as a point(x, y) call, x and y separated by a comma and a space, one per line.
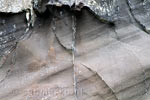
point(12, 30)
point(141, 11)
point(73, 55)
point(104, 9)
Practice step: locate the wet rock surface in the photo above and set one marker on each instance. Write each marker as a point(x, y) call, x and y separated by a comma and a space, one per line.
point(73, 55)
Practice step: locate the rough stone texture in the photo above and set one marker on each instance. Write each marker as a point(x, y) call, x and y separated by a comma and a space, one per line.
point(14, 6)
point(12, 29)
point(109, 61)
point(104, 9)
point(141, 11)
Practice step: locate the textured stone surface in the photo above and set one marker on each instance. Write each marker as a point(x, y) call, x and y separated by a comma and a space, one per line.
point(71, 52)
point(141, 11)
point(12, 29)
point(104, 9)
point(14, 6)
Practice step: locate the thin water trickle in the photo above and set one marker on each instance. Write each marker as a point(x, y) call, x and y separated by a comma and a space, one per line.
point(73, 54)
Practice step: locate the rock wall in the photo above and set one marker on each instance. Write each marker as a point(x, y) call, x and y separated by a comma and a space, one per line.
point(72, 54)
